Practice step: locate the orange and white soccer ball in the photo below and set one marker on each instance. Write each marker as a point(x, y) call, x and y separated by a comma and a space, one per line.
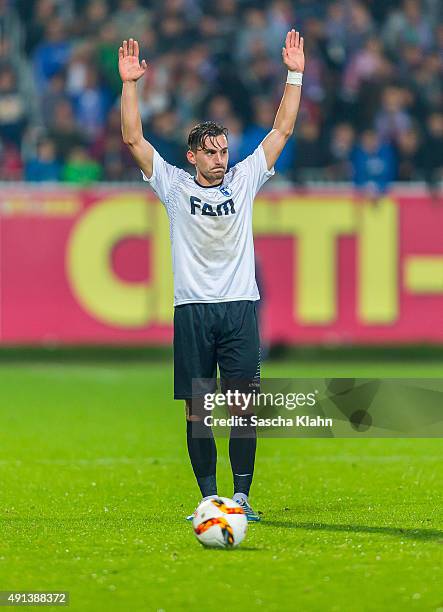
point(220, 522)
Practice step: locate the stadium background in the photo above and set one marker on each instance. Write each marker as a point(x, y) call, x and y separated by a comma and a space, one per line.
point(93, 468)
point(348, 232)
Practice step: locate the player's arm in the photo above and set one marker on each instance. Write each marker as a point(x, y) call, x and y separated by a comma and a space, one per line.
point(294, 59)
point(131, 70)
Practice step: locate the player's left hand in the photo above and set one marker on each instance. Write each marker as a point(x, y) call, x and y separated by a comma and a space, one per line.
point(292, 52)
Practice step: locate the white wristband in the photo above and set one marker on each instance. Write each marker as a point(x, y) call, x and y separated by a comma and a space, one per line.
point(294, 78)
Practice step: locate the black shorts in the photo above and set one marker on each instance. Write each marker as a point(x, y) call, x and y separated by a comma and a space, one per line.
point(223, 333)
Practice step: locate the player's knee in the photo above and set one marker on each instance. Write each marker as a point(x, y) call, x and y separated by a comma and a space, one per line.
point(192, 410)
point(188, 410)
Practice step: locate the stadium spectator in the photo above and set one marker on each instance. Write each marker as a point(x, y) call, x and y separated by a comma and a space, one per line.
point(255, 132)
point(221, 30)
point(373, 165)
point(260, 76)
point(13, 116)
point(91, 104)
point(363, 66)
point(439, 40)
point(64, 131)
point(408, 156)
point(44, 166)
point(112, 127)
point(54, 94)
point(259, 36)
point(131, 19)
point(311, 152)
point(163, 135)
point(209, 31)
point(105, 57)
point(77, 68)
point(174, 34)
point(234, 126)
point(113, 159)
point(43, 12)
point(219, 109)
point(314, 83)
point(359, 26)
point(281, 13)
point(53, 53)
point(428, 82)
point(80, 167)
point(392, 119)
point(371, 65)
point(432, 152)
point(10, 26)
point(110, 151)
point(407, 25)
point(95, 19)
point(11, 165)
point(191, 95)
point(197, 58)
point(334, 33)
point(340, 149)
point(410, 61)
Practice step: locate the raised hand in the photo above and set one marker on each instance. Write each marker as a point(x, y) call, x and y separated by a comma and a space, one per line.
point(292, 52)
point(129, 67)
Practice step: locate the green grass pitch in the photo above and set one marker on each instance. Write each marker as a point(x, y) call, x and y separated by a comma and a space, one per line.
point(95, 482)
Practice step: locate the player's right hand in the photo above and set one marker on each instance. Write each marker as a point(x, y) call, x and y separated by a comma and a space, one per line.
point(129, 67)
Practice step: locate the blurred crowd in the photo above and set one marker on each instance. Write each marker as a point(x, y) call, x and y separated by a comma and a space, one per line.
point(372, 106)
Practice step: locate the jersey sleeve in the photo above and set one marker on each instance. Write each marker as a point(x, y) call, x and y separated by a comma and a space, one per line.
point(255, 168)
point(163, 177)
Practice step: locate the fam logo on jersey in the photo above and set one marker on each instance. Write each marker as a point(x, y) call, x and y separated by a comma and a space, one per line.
point(224, 208)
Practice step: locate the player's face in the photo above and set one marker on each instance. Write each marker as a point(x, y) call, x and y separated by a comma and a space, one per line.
point(211, 160)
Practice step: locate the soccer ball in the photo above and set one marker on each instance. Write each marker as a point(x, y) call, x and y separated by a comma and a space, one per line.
point(220, 522)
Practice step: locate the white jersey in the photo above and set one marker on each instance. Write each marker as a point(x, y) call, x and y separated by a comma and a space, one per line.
point(211, 230)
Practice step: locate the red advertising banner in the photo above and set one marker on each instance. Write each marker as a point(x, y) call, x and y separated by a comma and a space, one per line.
point(93, 266)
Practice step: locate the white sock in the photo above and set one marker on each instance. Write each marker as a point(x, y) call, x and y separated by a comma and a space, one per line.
point(208, 497)
point(240, 497)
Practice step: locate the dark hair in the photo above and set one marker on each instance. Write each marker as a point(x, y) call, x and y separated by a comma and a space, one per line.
point(200, 132)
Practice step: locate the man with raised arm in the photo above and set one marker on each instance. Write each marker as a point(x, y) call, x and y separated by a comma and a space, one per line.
point(215, 292)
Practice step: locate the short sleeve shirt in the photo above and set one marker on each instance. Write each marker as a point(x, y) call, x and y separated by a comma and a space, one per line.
point(211, 229)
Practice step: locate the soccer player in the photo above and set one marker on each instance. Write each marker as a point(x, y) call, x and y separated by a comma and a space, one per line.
point(215, 291)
